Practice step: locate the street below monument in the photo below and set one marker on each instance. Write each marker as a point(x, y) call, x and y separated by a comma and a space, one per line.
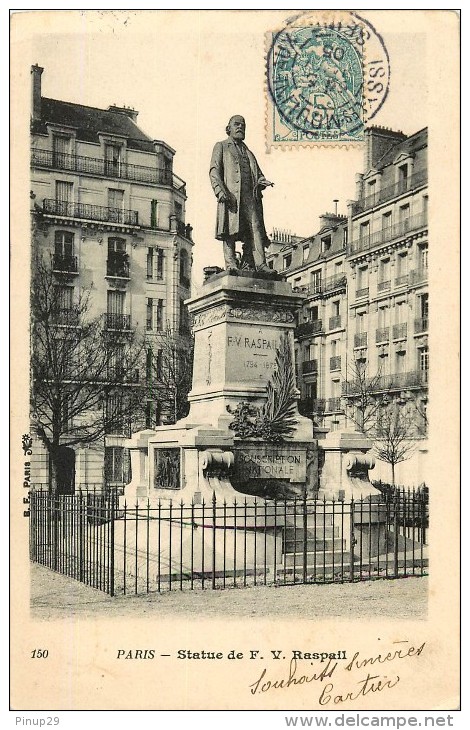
point(54, 596)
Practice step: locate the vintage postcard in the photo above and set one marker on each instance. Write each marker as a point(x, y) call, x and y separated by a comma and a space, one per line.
point(235, 365)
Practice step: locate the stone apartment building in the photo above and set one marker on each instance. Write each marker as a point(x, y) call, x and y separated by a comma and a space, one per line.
point(108, 215)
point(365, 277)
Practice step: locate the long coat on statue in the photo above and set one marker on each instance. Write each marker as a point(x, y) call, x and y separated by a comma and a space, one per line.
point(225, 176)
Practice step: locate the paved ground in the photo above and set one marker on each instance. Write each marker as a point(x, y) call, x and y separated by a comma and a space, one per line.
point(54, 596)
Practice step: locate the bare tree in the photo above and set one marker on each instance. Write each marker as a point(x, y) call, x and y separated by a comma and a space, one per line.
point(376, 411)
point(395, 434)
point(171, 373)
point(86, 377)
point(364, 401)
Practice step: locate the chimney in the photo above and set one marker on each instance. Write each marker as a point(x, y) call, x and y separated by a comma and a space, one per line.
point(127, 110)
point(378, 140)
point(36, 72)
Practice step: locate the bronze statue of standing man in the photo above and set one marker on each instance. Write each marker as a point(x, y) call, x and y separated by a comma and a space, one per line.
point(238, 183)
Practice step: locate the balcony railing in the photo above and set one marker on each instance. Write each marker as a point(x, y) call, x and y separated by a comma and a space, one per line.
point(64, 264)
point(335, 322)
point(389, 233)
point(87, 211)
point(120, 322)
point(328, 284)
point(421, 325)
point(118, 266)
point(309, 328)
point(382, 335)
point(66, 317)
point(334, 405)
point(392, 191)
point(360, 339)
point(419, 276)
point(399, 331)
point(399, 381)
point(335, 362)
point(383, 285)
point(401, 280)
point(312, 405)
point(105, 168)
point(310, 366)
point(363, 292)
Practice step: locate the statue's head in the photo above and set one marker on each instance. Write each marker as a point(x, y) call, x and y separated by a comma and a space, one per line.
point(236, 127)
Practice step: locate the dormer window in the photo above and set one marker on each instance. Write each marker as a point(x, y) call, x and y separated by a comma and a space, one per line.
point(112, 159)
point(325, 244)
point(402, 178)
point(287, 260)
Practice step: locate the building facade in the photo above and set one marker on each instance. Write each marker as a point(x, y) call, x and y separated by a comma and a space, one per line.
point(108, 216)
point(365, 277)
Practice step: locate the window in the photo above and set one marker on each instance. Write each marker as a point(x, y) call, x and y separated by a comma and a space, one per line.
point(345, 237)
point(400, 312)
point(400, 362)
point(404, 215)
point(149, 314)
point(363, 277)
point(335, 305)
point(184, 278)
point(423, 257)
point(311, 390)
point(149, 365)
point(325, 244)
point(311, 351)
point(425, 206)
point(60, 150)
point(334, 348)
point(424, 362)
point(159, 315)
point(287, 260)
point(361, 322)
point(116, 465)
point(114, 414)
point(371, 188)
point(63, 243)
point(116, 302)
point(402, 178)
point(64, 197)
point(305, 252)
point(384, 271)
point(383, 317)
point(315, 280)
point(424, 305)
point(112, 156)
point(115, 201)
point(150, 263)
point(63, 297)
point(160, 263)
point(116, 246)
point(387, 220)
point(184, 318)
point(313, 314)
point(153, 214)
point(271, 263)
point(384, 363)
point(364, 231)
point(402, 265)
point(178, 211)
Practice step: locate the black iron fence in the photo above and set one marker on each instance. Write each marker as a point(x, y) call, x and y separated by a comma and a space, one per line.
point(121, 548)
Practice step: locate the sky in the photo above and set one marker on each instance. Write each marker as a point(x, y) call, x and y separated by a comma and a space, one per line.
point(187, 72)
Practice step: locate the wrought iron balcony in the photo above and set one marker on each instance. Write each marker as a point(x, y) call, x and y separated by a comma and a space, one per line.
point(334, 405)
point(62, 264)
point(335, 322)
point(382, 335)
point(383, 285)
point(310, 366)
point(421, 325)
point(392, 191)
point(118, 266)
point(309, 328)
point(419, 276)
point(401, 280)
point(106, 168)
point(389, 233)
point(360, 339)
point(311, 405)
point(66, 317)
point(399, 331)
point(88, 211)
point(334, 282)
point(399, 381)
point(363, 292)
point(119, 322)
point(335, 362)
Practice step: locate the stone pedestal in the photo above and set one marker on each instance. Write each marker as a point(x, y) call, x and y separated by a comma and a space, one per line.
point(239, 323)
